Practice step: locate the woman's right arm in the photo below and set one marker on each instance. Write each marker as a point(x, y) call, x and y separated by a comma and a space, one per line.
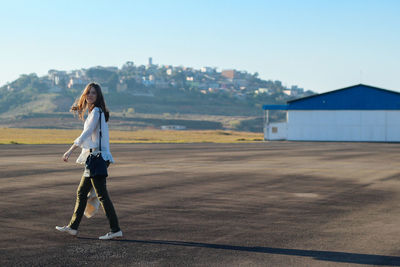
point(68, 153)
point(91, 125)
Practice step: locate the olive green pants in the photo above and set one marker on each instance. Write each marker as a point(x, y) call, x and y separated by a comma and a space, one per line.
point(99, 184)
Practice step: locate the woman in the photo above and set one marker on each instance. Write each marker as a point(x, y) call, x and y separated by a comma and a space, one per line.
point(93, 101)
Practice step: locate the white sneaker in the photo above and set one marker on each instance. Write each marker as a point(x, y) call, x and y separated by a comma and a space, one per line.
point(111, 235)
point(67, 229)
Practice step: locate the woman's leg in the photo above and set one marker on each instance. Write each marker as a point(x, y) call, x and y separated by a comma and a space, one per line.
point(99, 184)
point(81, 200)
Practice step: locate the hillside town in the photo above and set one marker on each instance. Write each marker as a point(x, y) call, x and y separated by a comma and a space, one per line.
point(141, 79)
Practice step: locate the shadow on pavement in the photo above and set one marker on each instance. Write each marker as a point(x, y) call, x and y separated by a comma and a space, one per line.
point(343, 257)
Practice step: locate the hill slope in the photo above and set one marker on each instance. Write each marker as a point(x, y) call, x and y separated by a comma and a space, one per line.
point(186, 97)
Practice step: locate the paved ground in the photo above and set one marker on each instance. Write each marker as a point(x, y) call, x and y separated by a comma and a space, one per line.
point(268, 204)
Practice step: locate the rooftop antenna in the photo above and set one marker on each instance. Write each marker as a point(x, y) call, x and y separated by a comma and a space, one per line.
point(361, 76)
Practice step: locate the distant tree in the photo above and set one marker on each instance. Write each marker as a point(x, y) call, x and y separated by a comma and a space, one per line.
point(63, 83)
point(112, 82)
point(132, 84)
point(128, 68)
point(180, 79)
point(128, 64)
point(40, 86)
point(99, 74)
point(24, 81)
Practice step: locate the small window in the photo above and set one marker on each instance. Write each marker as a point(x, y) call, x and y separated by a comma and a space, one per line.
point(274, 129)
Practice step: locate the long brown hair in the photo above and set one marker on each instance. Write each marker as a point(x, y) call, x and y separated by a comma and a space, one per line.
point(81, 105)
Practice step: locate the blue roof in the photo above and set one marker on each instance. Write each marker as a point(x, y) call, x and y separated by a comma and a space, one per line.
point(275, 107)
point(357, 97)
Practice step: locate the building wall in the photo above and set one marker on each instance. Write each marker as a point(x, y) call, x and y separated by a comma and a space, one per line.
point(344, 125)
point(275, 131)
point(230, 74)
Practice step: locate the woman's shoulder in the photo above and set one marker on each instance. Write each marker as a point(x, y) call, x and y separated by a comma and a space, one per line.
point(96, 110)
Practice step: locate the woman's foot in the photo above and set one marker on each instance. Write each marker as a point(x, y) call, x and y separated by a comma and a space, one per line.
point(111, 235)
point(67, 229)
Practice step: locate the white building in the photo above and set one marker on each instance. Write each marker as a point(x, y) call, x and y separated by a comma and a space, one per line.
point(356, 113)
point(208, 70)
point(173, 127)
point(77, 83)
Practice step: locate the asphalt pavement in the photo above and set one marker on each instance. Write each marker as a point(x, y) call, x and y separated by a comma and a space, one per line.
point(259, 204)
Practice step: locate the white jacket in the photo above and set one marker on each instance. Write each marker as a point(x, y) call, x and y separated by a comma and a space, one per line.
point(89, 138)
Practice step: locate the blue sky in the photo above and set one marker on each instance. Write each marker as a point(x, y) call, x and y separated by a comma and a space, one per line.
point(318, 45)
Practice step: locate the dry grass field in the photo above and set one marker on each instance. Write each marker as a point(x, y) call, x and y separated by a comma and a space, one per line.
point(58, 136)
